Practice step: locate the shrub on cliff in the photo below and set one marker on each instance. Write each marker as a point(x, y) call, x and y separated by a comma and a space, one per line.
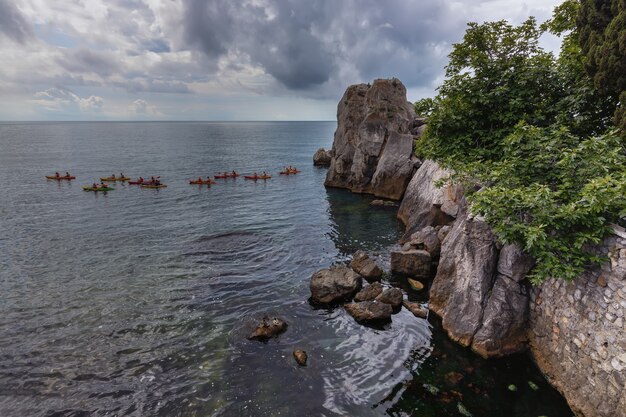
point(529, 129)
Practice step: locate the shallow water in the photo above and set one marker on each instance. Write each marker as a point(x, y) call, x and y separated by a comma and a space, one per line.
point(138, 302)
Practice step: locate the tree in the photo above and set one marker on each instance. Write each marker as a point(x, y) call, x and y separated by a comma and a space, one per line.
point(497, 76)
point(602, 27)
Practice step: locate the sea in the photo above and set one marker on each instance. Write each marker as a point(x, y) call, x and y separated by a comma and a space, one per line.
point(139, 302)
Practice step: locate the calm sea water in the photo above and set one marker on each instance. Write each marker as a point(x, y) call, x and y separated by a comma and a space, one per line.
point(138, 302)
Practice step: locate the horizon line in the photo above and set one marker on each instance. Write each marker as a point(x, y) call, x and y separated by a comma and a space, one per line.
point(161, 121)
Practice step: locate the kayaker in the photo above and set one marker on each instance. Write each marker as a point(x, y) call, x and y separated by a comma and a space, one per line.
point(255, 175)
point(264, 174)
point(94, 186)
point(225, 174)
point(67, 174)
point(152, 180)
point(57, 174)
point(199, 179)
point(234, 173)
point(140, 180)
point(122, 175)
point(112, 176)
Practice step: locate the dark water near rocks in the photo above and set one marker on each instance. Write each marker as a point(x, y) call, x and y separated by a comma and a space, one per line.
point(138, 302)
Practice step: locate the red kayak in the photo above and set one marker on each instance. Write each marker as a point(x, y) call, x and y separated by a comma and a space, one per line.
point(65, 177)
point(258, 177)
point(207, 182)
point(139, 182)
point(224, 176)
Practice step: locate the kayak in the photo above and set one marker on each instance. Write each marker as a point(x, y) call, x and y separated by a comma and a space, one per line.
point(115, 179)
point(153, 186)
point(138, 183)
point(207, 182)
point(289, 172)
point(65, 177)
point(258, 177)
point(222, 176)
point(90, 188)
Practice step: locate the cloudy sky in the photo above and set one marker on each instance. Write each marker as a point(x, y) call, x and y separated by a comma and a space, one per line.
point(224, 59)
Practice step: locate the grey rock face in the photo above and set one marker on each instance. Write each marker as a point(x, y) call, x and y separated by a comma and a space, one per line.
point(391, 296)
point(426, 205)
point(370, 292)
point(411, 262)
point(428, 240)
point(372, 148)
point(363, 265)
point(334, 284)
point(480, 307)
point(322, 157)
point(365, 311)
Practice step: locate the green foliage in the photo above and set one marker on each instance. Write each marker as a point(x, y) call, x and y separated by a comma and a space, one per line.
point(553, 194)
point(527, 130)
point(424, 107)
point(496, 77)
point(602, 26)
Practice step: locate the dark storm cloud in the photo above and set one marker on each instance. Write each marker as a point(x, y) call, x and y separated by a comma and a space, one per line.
point(304, 45)
point(87, 61)
point(12, 23)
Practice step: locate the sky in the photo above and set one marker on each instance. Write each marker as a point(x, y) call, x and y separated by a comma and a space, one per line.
point(225, 59)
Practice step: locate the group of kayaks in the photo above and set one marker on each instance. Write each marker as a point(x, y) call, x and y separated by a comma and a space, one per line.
point(155, 182)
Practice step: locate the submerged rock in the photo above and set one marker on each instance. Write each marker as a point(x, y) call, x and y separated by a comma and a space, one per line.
point(268, 328)
point(365, 311)
point(411, 262)
point(416, 308)
point(383, 203)
point(415, 284)
point(370, 292)
point(334, 284)
point(391, 296)
point(300, 357)
point(363, 265)
point(322, 157)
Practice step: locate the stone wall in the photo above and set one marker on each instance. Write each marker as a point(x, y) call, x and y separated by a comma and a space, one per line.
point(578, 335)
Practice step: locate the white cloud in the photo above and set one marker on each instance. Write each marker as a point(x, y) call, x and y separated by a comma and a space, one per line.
point(141, 107)
point(60, 99)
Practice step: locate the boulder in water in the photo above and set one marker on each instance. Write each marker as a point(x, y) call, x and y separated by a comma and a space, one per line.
point(334, 284)
point(391, 296)
point(268, 328)
point(363, 265)
point(366, 311)
point(370, 292)
point(322, 157)
point(301, 357)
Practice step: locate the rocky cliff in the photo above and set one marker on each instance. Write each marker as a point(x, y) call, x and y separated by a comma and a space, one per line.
point(576, 331)
point(373, 145)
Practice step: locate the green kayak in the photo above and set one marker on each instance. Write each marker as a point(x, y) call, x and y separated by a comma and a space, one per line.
point(90, 188)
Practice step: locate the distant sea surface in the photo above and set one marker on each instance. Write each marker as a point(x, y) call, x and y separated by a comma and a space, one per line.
point(139, 302)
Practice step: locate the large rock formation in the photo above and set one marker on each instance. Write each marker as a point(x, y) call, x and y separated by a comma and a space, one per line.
point(425, 204)
point(373, 145)
point(479, 290)
point(578, 335)
point(334, 284)
point(322, 157)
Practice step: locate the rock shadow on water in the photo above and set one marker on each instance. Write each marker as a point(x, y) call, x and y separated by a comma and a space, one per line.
point(357, 226)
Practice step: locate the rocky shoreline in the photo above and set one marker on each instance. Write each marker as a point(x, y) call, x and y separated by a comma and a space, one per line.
point(576, 331)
